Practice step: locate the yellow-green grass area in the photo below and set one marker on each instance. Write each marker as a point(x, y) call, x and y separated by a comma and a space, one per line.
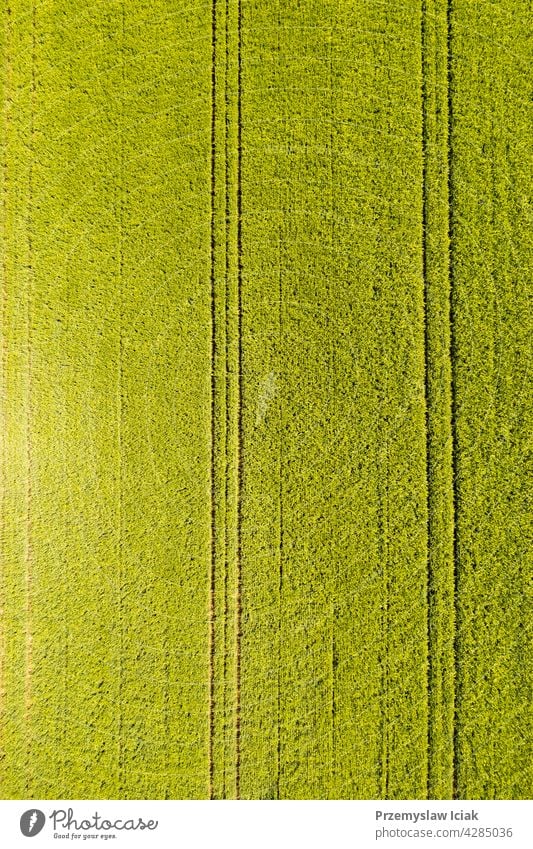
point(264, 400)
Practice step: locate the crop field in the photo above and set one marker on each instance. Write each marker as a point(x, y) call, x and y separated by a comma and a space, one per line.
point(264, 399)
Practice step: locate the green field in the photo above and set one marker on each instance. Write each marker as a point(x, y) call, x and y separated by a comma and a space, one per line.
point(264, 399)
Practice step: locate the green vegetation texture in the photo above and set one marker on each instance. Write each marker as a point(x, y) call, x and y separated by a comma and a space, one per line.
point(264, 399)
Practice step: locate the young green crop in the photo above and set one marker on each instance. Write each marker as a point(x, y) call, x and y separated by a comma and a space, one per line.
point(264, 387)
